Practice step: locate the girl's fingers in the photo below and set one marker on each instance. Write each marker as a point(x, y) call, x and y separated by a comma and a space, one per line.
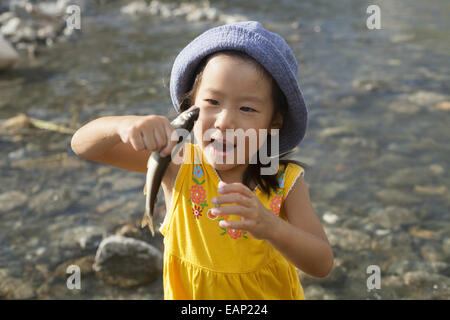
point(148, 138)
point(235, 224)
point(160, 139)
point(136, 141)
point(236, 187)
point(172, 137)
point(236, 210)
point(234, 197)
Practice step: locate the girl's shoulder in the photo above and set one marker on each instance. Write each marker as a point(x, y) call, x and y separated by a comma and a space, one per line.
point(289, 174)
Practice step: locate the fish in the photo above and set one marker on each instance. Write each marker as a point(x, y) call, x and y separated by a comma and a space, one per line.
point(157, 164)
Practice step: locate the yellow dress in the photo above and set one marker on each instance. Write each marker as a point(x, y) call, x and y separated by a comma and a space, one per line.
point(204, 261)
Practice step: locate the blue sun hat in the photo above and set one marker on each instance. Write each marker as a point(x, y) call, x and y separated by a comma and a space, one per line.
point(266, 47)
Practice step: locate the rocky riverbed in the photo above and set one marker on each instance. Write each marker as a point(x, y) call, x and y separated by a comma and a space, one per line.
point(376, 144)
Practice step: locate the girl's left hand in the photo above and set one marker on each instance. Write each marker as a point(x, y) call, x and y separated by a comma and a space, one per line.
point(256, 219)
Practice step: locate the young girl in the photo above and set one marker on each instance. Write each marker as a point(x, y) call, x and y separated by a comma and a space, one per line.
point(230, 232)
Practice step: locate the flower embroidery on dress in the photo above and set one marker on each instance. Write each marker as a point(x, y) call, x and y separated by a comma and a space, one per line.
point(233, 233)
point(275, 204)
point(197, 212)
point(211, 216)
point(198, 193)
point(198, 172)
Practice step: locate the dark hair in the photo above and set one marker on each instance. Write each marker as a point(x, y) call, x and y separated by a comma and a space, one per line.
point(252, 172)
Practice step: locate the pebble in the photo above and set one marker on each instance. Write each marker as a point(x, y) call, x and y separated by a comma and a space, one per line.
point(11, 200)
point(127, 262)
point(330, 217)
point(443, 106)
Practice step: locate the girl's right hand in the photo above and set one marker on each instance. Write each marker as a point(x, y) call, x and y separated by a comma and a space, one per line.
point(151, 133)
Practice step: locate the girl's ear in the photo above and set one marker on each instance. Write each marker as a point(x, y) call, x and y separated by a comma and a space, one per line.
point(277, 121)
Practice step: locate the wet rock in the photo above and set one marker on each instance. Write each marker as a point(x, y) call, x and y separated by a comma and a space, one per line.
point(316, 292)
point(348, 239)
point(127, 262)
point(401, 267)
point(192, 12)
point(426, 98)
point(397, 197)
point(443, 106)
point(8, 56)
point(84, 239)
point(426, 280)
point(409, 177)
point(432, 253)
point(14, 288)
point(131, 231)
point(430, 190)
point(424, 233)
point(336, 278)
point(392, 217)
point(11, 200)
point(403, 107)
point(336, 131)
point(332, 189)
point(330, 217)
point(85, 263)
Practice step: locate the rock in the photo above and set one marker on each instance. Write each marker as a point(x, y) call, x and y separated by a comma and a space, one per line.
point(424, 234)
point(446, 246)
point(432, 253)
point(401, 267)
point(436, 169)
point(85, 263)
point(397, 197)
point(332, 189)
point(425, 279)
point(443, 106)
point(336, 131)
point(14, 288)
point(8, 56)
point(348, 239)
point(10, 27)
point(127, 262)
point(403, 107)
point(83, 239)
point(134, 8)
point(430, 190)
point(409, 177)
point(190, 11)
point(315, 292)
point(336, 278)
point(392, 217)
point(426, 98)
point(330, 217)
point(11, 200)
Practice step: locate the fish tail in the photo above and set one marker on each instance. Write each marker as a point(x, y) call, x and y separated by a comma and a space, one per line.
point(148, 220)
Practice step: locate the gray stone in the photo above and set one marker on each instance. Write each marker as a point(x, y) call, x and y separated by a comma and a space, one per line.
point(127, 262)
point(348, 239)
point(11, 200)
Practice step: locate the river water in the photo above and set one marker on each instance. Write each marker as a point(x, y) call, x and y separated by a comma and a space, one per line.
point(376, 145)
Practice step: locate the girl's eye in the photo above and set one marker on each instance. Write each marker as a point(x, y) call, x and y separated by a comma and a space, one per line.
point(248, 109)
point(212, 101)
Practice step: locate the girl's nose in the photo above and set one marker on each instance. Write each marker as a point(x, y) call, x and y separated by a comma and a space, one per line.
point(225, 120)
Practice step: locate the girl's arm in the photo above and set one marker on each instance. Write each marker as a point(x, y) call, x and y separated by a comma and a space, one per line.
point(302, 240)
point(123, 141)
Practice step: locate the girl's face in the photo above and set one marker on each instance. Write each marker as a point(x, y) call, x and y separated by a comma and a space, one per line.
point(232, 94)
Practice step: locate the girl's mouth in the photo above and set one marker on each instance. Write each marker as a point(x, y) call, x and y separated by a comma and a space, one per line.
point(222, 147)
